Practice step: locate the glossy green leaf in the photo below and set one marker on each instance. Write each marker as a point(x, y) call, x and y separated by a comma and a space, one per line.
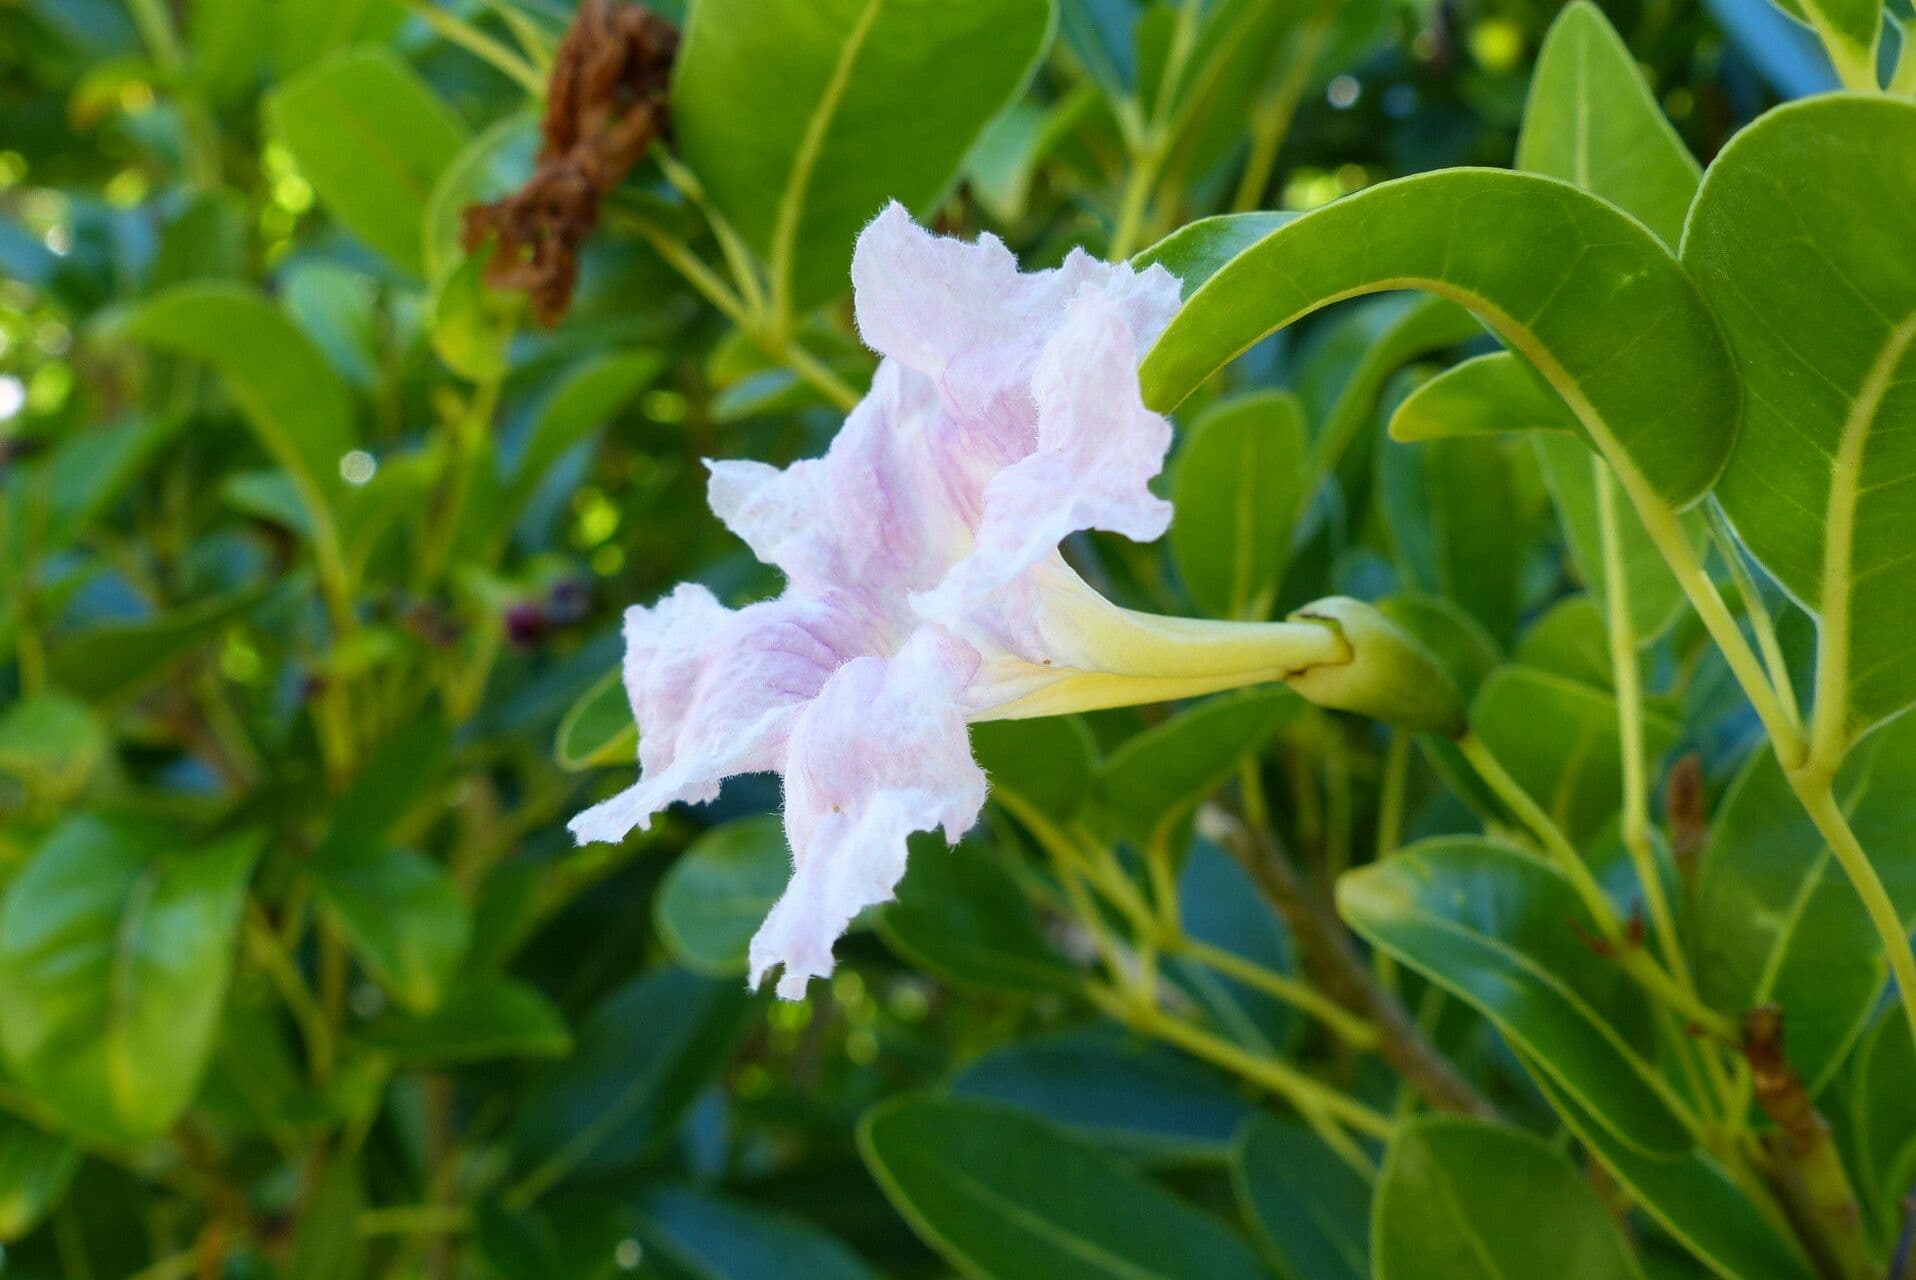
point(718, 893)
point(1044, 764)
point(308, 30)
point(1571, 640)
point(114, 661)
point(598, 729)
point(1594, 302)
point(293, 400)
point(116, 942)
point(718, 1238)
point(1458, 1199)
point(1797, 239)
point(338, 119)
point(1591, 120)
point(1309, 1209)
point(959, 914)
point(802, 117)
point(1238, 485)
point(402, 914)
point(327, 1244)
point(1453, 511)
point(1003, 1195)
point(339, 310)
point(642, 1055)
point(1484, 395)
point(1776, 919)
point(35, 1170)
point(1134, 1097)
point(1501, 930)
point(1689, 1195)
point(1558, 738)
point(1160, 775)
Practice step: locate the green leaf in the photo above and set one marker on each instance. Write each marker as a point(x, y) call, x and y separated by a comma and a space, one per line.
point(1238, 485)
point(1006, 1196)
point(598, 729)
point(1797, 240)
point(402, 914)
point(91, 470)
point(579, 404)
point(480, 1019)
point(1309, 1210)
point(1219, 903)
point(642, 1055)
point(35, 1170)
point(1776, 919)
point(339, 119)
point(113, 662)
point(802, 117)
point(1652, 595)
point(310, 29)
point(960, 915)
point(1485, 395)
point(1044, 764)
point(338, 308)
point(1135, 1098)
point(1558, 738)
point(52, 741)
point(718, 1238)
point(718, 893)
point(1591, 120)
point(116, 942)
point(1459, 1199)
point(1690, 1196)
point(1162, 774)
point(1501, 930)
point(1345, 372)
point(1651, 383)
point(1883, 1110)
point(290, 395)
point(1454, 512)
point(327, 1245)
point(1851, 30)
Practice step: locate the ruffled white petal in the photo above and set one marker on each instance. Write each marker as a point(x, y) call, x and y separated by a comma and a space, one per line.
point(715, 693)
point(882, 752)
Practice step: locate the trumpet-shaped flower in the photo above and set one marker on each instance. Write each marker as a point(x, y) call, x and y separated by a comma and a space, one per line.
point(924, 586)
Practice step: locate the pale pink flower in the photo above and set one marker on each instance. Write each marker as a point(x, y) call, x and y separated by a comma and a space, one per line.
point(924, 588)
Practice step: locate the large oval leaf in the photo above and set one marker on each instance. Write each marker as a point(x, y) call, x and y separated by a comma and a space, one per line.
point(403, 916)
point(1582, 291)
point(1591, 120)
point(1459, 1199)
point(1800, 238)
point(1006, 1196)
point(718, 893)
point(340, 121)
point(116, 942)
point(960, 915)
point(1160, 775)
point(802, 117)
point(1500, 929)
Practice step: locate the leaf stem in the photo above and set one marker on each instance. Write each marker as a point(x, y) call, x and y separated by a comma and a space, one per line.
point(1814, 788)
point(1636, 962)
point(476, 42)
point(1629, 686)
point(1731, 551)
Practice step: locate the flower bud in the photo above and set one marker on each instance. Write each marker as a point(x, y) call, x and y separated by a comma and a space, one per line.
point(1391, 676)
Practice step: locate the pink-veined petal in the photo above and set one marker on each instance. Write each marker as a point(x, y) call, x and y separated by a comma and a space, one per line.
point(882, 752)
point(715, 692)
